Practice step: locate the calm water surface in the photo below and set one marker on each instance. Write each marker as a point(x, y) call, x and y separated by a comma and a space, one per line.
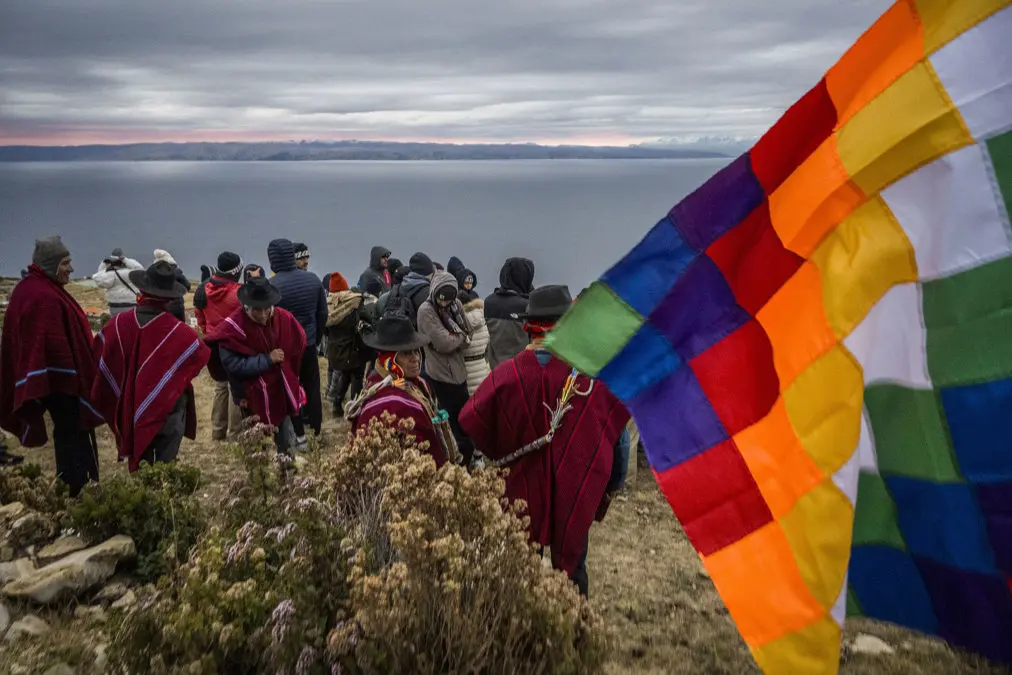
point(574, 218)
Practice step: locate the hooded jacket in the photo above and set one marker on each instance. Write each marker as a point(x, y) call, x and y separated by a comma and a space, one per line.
point(460, 272)
point(177, 307)
point(302, 291)
point(118, 289)
point(504, 311)
point(476, 353)
point(444, 355)
point(215, 301)
point(375, 280)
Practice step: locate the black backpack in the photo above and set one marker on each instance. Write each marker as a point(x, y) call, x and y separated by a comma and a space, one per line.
point(404, 303)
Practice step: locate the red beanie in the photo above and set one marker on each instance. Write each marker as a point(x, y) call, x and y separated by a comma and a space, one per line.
point(337, 283)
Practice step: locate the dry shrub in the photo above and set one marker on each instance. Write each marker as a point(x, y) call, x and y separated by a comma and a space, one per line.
point(459, 588)
point(260, 590)
point(27, 484)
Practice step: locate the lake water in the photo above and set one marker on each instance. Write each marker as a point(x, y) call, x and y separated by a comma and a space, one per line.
point(573, 218)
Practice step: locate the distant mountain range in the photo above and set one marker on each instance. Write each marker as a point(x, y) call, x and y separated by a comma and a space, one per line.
point(725, 145)
point(321, 150)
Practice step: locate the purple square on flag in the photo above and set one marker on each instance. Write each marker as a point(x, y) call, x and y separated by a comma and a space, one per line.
point(974, 610)
point(700, 310)
point(676, 420)
point(719, 204)
point(996, 502)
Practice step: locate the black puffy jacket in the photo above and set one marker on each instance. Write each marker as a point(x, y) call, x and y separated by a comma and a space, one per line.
point(504, 311)
point(301, 290)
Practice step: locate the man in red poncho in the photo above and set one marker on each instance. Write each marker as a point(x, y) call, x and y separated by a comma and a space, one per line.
point(396, 386)
point(562, 436)
point(147, 360)
point(46, 364)
point(258, 350)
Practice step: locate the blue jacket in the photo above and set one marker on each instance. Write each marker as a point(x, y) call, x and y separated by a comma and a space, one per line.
point(302, 291)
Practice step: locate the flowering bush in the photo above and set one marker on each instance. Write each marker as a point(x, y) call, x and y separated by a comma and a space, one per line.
point(381, 564)
point(457, 573)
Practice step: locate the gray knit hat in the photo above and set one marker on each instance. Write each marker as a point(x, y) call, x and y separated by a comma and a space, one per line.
point(49, 253)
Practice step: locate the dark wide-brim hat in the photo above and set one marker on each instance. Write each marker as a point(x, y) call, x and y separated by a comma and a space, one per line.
point(394, 333)
point(158, 281)
point(548, 303)
point(258, 293)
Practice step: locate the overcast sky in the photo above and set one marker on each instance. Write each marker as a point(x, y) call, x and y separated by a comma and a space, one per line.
point(554, 71)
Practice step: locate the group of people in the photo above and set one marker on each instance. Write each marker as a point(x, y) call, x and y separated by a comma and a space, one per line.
point(415, 341)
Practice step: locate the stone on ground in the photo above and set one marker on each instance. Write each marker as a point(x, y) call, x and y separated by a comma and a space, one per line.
point(60, 548)
point(30, 528)
point(111, 592)
point(28, 626)
point(74, 574)
point(11, 571)
point(871, 645)
point(128, 600)
point(95, 613)
point(5, 619)
point(11, 511)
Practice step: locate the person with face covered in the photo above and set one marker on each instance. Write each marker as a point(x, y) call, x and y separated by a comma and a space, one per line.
point(258, 351)
point(441, 319)
point(47, 365)
point(396, 387)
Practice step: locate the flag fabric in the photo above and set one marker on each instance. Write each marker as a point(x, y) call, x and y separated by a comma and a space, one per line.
point(816, 346)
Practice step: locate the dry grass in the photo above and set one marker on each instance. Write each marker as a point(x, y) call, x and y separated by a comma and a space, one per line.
point(645, 578)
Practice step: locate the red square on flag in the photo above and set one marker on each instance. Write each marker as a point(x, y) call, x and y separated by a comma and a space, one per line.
point(738, 377)
point(754, 260)
point(715, 498)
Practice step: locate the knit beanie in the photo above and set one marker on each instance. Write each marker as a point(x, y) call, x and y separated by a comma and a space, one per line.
point(49, 253)
point(301, 250)
point(117, 253)
point(229, 264)
point(421, 264)
point(394, 264)
point(337, 283)
point(161, 255)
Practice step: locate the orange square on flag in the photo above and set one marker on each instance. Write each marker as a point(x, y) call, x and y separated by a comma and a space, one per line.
point(795, 320)
point(817, 197)
point(891, 47)
point(777, 461)
point(762, 587)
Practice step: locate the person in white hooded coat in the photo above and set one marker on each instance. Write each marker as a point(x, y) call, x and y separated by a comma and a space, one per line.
point(476, 353)
point(113, 276)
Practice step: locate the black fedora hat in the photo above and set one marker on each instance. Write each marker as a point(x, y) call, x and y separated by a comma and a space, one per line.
point(258, 293)
point(394, 333)
point(548, 303)
point(158, 281)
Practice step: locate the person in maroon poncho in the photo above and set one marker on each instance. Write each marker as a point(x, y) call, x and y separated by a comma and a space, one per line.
point(258, 350)
point(46, 364)
point(562, 435)
point(147, 360)
point(396, 387)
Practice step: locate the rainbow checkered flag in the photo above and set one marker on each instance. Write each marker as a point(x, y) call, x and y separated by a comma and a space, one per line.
point(817, 348)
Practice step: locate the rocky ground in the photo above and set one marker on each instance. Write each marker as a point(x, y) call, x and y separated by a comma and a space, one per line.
point(663, 612)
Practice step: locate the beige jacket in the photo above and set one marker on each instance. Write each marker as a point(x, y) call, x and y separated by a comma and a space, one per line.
point(444, 355)
point(476, 353)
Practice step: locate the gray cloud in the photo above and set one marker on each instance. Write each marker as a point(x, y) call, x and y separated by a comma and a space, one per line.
point(546, 70)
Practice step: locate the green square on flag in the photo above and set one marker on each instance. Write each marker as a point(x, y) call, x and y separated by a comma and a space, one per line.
point(875, 520)
point(910, 435)
point(595, 330)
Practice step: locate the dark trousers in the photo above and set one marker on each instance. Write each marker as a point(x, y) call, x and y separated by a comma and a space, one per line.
point(164, 446)
point(309, 378)
point(579, 575)
point(452, 398)
point(284, 435)
point(347, 383)
point(76, 449)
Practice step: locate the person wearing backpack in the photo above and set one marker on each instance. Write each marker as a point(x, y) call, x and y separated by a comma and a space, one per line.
point(348, 310)
point(414, 290)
